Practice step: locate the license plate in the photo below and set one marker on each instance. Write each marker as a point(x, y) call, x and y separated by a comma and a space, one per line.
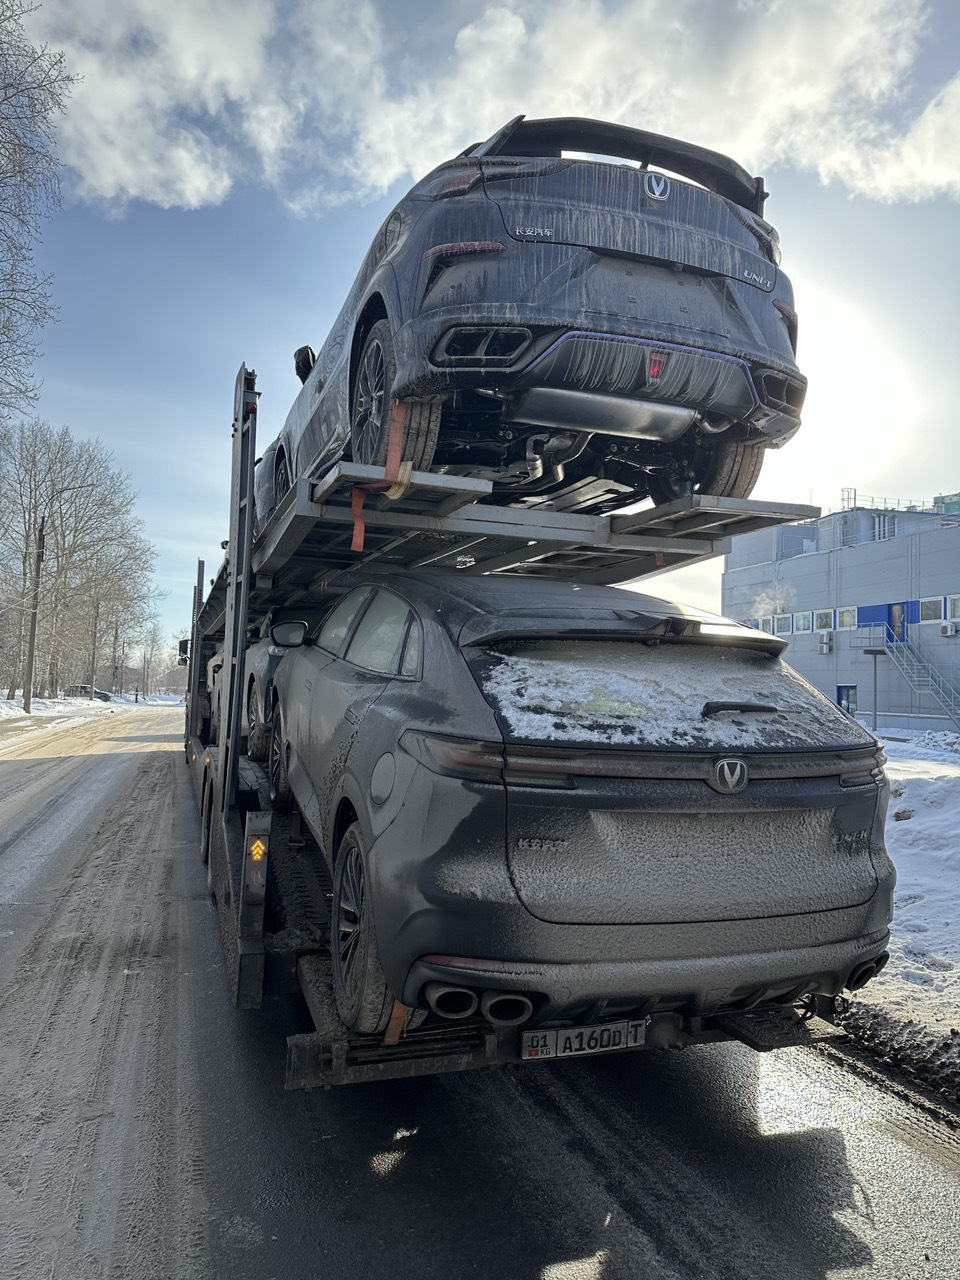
point(575, 1042)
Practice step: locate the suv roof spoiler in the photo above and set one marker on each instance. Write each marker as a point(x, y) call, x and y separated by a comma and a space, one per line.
point(641, 627)
point(716, 172)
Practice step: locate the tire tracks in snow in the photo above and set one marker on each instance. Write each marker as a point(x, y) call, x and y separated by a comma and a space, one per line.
point(99, 1176)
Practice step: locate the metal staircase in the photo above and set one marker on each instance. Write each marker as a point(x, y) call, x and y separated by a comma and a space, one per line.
point(922, 675)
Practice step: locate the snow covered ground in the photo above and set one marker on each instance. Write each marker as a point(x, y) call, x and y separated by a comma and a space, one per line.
point(911, 1012)
point(46, 713)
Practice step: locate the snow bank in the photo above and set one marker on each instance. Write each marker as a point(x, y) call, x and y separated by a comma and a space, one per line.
point(910, 1014)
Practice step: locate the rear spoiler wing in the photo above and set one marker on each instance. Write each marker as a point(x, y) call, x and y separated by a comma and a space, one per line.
point(648, 630)
point(549, 138)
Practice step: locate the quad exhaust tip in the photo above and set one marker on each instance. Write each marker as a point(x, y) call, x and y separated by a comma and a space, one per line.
point(505, 1008)
point(500, 1008)
point(861, 974)
point(450, 1002)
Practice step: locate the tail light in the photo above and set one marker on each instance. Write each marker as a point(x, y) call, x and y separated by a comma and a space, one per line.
point(461, 247)
point(477, 761)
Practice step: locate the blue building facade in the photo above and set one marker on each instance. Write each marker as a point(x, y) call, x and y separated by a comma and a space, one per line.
point(868, 599)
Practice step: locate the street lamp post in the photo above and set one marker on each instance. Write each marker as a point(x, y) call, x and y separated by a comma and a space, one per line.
point(875, 654)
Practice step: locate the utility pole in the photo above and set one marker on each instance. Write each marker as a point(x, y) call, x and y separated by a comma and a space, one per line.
point(34, 610)
point(93, 646)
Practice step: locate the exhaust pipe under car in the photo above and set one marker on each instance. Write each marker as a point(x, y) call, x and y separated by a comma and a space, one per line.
point(505, 1008)
point(450, 1002)
point(861, 974)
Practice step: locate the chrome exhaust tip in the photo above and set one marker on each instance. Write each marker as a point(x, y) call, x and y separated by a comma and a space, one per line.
point(861, 975)
point(450, 1002)
point(505, 1008)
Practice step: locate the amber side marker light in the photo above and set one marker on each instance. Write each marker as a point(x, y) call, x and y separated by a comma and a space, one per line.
point(257, 848)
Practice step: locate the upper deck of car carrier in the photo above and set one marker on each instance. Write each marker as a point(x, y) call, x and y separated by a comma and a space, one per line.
point(353, 518)
point(270, 885)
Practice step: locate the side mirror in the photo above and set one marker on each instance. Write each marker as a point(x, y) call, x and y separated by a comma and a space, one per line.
point(183, 662)
point(303, 361)
point(289, 635)
point(184, 647)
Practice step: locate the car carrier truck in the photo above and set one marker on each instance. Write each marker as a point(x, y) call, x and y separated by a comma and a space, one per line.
point(264, 871)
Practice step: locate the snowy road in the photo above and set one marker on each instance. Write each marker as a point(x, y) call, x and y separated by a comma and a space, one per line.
point(144, 1131)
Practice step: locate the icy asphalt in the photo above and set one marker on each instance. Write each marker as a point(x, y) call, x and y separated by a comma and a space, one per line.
point(144, 1131)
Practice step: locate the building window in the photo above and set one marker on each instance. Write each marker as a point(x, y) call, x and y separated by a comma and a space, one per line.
point(931, 609)
point(884, 525)
point(847, 618)
point(766, 624)
point(803, 622)
point(782, 624)
point(847, 698)
point(823, 620)
point(953, 608)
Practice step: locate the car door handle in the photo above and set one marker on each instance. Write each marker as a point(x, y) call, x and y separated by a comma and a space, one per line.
point(351, 716)
point(308, 683)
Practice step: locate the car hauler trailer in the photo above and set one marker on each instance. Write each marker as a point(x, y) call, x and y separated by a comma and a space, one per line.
point(264, 870)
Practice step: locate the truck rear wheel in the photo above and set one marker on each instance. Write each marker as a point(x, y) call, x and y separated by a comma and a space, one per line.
point(364, 1000)
point(372, 401)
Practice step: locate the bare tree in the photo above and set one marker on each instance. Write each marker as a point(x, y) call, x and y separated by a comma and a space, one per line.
point(33, 91)
point(73, 558)
point(154, 653)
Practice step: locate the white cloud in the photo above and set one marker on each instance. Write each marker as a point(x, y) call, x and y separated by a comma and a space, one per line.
point(183, 99)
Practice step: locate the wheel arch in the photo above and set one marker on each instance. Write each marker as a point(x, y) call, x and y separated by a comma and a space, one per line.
point(344, 818)
point(374, 309)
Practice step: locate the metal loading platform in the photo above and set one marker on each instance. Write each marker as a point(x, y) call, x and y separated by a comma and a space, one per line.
point(347, 521)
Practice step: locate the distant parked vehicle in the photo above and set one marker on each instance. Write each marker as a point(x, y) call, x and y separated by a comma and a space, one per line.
point(576, 803)
point(583, 313)
point(83, 691)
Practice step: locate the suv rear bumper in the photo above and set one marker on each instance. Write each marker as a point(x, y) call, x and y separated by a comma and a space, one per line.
point(699, 985)
point(614, 370)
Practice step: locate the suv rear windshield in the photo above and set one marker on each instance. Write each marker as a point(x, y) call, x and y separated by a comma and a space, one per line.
point(630, 694)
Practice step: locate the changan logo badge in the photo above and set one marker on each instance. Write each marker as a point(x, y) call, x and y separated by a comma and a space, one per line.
point(729, 776)
point(656, 185)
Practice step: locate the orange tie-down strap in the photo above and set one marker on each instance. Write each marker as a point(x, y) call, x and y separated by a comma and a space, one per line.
point(396, 477)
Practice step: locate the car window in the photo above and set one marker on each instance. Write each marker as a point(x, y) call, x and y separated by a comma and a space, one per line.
point(411, 651)
point(335, 628)
point(625, 693)
point(379, 635)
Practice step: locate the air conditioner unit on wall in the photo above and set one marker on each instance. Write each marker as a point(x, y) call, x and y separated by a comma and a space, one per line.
point(826, 641)
point(949, 628)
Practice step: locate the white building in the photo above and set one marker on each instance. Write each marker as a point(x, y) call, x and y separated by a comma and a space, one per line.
point(868, 598)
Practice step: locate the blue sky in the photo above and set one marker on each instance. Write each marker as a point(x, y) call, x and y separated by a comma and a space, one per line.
point(228, 161)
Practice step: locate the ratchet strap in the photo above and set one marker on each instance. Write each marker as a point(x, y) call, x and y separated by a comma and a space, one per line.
point(396, 478)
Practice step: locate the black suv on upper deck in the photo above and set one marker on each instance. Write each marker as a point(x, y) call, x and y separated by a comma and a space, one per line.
point(584, 332)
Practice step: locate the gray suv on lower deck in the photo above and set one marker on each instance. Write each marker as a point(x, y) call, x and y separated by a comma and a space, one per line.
point(567, 802)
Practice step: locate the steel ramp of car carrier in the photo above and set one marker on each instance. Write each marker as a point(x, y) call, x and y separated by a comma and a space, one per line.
point(440, 522)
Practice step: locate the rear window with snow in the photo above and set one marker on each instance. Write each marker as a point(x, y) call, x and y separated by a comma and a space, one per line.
point(629, 694)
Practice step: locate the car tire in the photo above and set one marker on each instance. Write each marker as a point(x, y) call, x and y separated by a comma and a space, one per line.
point(258, 733)
point(728, 469)
point(281, 797)
point(364, 1001)
point(371, 400)
point(281, 483)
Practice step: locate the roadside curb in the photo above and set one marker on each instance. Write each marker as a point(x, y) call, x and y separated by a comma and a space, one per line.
point(917, 1051)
